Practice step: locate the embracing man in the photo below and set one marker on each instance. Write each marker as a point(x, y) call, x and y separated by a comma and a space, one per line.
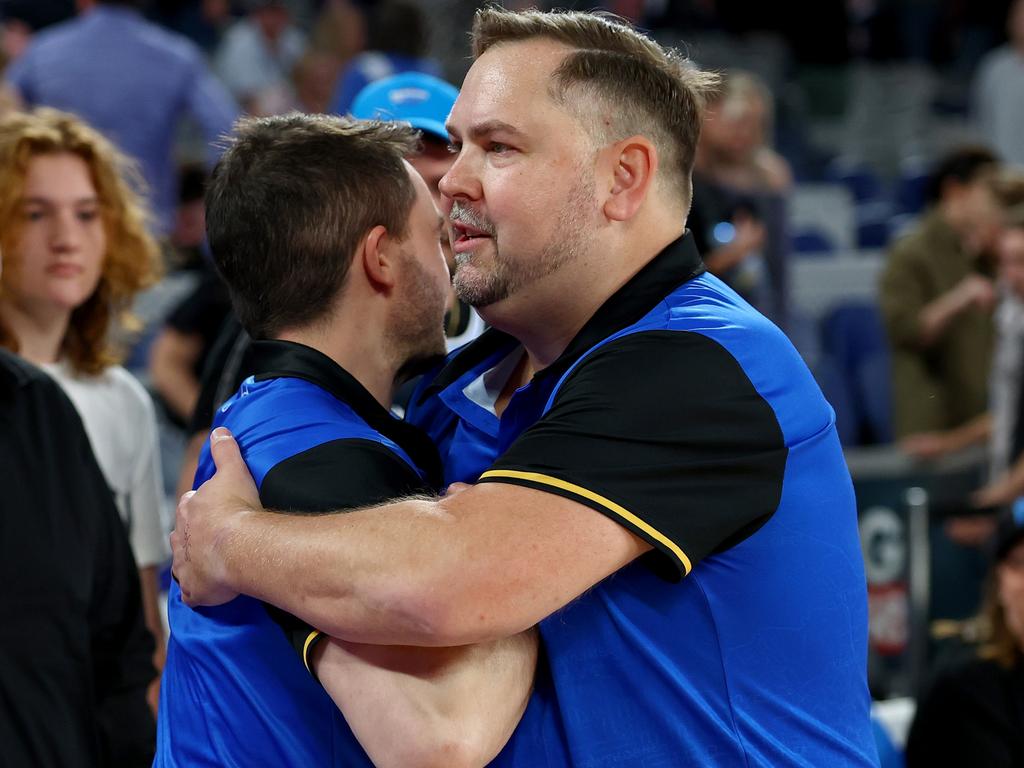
point(330, 243)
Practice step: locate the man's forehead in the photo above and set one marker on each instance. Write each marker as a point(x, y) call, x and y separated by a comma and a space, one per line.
point(505, 77)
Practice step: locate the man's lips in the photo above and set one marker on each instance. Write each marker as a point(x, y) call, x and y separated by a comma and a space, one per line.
point(466, 237)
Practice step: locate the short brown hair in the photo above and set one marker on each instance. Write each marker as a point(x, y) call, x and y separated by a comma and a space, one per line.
point(132, 261)
point(639, 86)
point(288, 204)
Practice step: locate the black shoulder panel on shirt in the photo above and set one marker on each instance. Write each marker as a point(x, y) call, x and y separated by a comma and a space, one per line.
point(664, 432)
point(337, 475)
point(333, 476)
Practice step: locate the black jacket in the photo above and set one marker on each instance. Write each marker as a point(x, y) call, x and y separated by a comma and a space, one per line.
point(972, 716)
point(75, 654)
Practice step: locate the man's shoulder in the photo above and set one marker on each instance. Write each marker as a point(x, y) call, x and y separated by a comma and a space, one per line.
point(292, 420)
point(63, 33)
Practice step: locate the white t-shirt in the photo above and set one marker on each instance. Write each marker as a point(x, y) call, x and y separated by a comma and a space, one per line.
point(119, 418)
point(999, 103)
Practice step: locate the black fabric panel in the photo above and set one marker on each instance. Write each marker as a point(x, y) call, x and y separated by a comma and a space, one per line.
point(333, 476)
point(273, 359)
point(973, 715)
point(338, 475)
point(668, 426)
point(76, 652)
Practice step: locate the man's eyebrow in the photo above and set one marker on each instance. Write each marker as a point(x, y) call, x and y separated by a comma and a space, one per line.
point(485, 128)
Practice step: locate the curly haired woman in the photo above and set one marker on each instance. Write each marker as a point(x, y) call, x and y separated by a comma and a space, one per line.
point(77, 251)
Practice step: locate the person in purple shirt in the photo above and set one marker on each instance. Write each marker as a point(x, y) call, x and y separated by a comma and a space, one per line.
point(132, 80)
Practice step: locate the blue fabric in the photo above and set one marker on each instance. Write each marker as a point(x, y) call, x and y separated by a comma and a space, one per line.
point(134, 82)
point(758, 658)
point(234, 693)
point(372, 66)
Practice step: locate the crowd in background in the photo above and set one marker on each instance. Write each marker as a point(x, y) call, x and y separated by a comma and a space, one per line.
point(880, 135)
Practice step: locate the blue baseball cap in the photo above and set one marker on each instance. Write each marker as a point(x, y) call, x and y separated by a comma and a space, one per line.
point(419, 99)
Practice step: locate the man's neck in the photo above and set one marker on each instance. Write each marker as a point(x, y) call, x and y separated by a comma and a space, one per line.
point(546, 317)
point(40, 335)
point(357, 346)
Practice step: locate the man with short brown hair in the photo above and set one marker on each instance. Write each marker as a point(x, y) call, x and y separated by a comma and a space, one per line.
point(660, 486)
point(329, 242)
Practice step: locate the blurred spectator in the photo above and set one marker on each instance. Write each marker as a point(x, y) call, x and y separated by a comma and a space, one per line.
point(974, 712)
point(133, 81)
point(936, 295)
point(258, 53)
point(314, 78)
point(1006, 445)
point(998, 98)
point(424, 102)
point(77, 253)
point(740, 192)
point(201, 21)
point(396, 42)
point(181, 346)
point(188, 239)
point(76, 653)
point(180, 350)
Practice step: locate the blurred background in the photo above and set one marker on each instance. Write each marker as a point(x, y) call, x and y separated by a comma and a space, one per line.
point(857, 180)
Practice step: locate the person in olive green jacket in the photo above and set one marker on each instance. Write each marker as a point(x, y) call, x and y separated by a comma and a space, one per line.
point(936, 296)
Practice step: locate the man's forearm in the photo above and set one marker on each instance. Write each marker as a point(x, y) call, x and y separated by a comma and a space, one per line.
point(425, 707)
point(483, 565)
point(389, 575)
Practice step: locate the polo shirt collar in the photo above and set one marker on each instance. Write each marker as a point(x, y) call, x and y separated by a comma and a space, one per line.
point(276, 359)
point(678, 263)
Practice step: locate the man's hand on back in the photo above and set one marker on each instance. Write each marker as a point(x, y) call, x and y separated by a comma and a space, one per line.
point(205, 518)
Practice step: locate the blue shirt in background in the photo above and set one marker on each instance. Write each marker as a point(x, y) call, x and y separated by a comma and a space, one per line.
point(134, 82)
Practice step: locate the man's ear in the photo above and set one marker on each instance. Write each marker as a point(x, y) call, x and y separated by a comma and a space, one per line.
point(377, 258)
point(631, 165)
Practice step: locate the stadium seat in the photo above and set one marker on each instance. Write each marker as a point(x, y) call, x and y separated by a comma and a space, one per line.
point(863, 183)
point(813, 242)
point(854, 373)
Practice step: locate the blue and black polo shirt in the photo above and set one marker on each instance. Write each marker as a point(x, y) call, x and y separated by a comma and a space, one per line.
point(234, 693)
point(684, 415)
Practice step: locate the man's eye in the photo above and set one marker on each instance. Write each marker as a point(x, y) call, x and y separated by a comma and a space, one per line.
point(499, 148)
point(454, 147)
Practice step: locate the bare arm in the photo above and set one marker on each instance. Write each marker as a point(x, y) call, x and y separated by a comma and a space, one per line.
point(1004, 490)
point(171, 370)
point(936, 316)
point(932, 445)
point(155, 625)
point(485, 564)
point(421, 707)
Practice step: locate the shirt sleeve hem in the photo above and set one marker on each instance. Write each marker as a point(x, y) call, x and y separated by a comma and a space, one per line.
point(311, 641)
point(599, 503)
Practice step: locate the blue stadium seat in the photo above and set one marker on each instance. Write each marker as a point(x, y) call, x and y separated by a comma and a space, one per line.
point(873, 224)
point(910, 191)
point(863, 183)
point(813, 242)
point(854, 373)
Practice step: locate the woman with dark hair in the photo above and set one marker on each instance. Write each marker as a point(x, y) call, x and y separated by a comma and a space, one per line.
point(974, 714)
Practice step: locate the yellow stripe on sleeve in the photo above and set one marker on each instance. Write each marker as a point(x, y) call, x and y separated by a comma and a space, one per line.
point(608, 504)
point(305, 649)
